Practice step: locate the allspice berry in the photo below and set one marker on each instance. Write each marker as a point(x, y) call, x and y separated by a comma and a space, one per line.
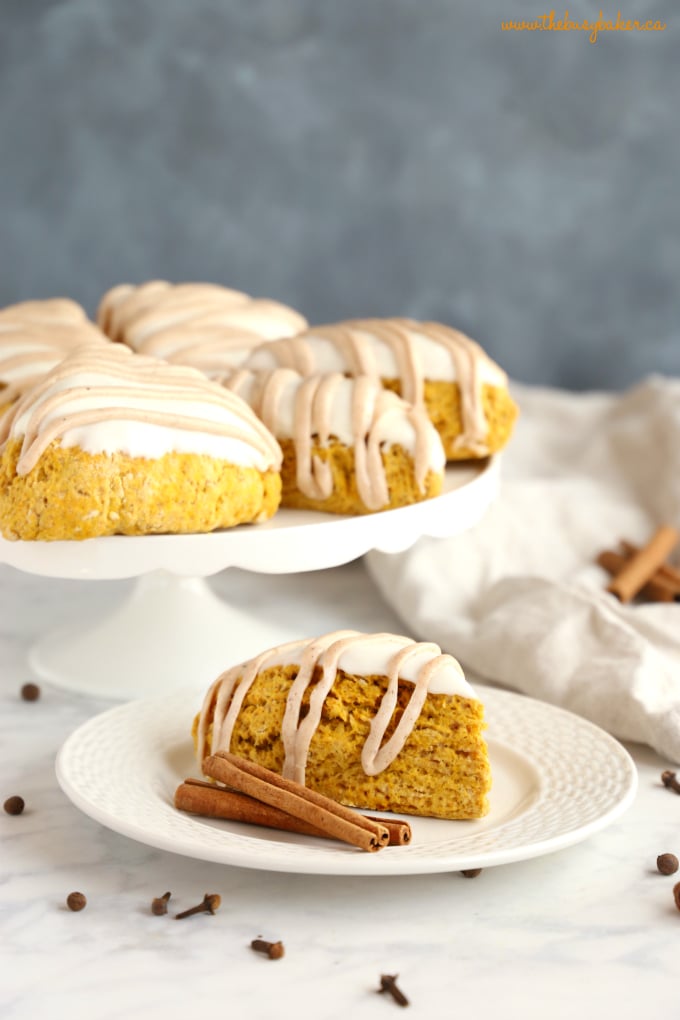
point(30, 692)
point(76, 901)
point(667, 864)
point(676, 894)
point(14, 805)
point(471, 872)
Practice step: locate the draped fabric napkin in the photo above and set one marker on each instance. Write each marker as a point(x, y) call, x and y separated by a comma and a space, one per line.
point(519, 599)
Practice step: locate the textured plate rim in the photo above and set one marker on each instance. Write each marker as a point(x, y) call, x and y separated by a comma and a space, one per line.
point(322, 857)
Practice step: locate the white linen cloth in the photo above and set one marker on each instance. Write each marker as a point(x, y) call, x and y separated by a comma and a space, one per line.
point(519, 599)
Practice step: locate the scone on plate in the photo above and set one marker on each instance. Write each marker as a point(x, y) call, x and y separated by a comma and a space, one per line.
point(34, 337)
point(349, 446)
point(429, 364)
point(203, 325)
point(111, 443)
point(375, 721)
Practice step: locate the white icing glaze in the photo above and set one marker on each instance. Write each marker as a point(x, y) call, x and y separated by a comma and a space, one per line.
point(402, 349)
point(107, 399)
point(397, 658)
point(35, 336)
point(358, 412)
point(206, 326)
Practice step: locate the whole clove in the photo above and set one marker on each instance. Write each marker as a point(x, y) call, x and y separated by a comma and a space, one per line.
point(14, 805)
point(388, 983)
point(159, 905)
point(210, 903)
point(670, 780)
point(273, 950)
point(30, 692)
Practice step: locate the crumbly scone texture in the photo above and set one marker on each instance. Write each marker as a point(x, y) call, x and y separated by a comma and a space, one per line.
point(71, 494)
point(442, 771)
point(443, 405)
point(345, 499)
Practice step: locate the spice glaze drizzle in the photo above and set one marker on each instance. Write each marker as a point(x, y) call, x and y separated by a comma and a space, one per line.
point(35, 336)
point(204, 325)
point(357, 412)
point(405, 349)
point(390, 655)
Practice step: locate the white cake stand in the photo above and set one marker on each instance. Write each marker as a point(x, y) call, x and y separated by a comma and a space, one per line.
point(172, 631)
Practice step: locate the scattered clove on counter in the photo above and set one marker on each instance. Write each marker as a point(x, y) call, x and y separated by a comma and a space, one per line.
point(670, 780)
point(159, 904)
point(388, 983)
point(210, 903)
point(272, 950)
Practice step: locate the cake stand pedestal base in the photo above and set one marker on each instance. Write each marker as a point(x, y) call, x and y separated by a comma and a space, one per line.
point(170, 632)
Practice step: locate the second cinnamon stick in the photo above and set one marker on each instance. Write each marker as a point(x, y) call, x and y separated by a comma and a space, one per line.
point(642, 565)
point(264, 785)
point(211, 801)
point(659, 589)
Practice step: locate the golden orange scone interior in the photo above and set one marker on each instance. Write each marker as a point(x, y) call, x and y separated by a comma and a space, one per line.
point(71, 494)
point(442, 770)
point(345, 498)
point(443, 405)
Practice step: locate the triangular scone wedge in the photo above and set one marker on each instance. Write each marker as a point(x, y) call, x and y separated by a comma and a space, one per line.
point(429, 364)
point(349, 446)
point(375, 721)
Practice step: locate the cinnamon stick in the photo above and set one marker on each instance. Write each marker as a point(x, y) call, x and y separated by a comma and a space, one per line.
point(399, 830)
point(297, 800)
point(642, 565)
point(658, 589)
point(666, 571)
point(212, 801)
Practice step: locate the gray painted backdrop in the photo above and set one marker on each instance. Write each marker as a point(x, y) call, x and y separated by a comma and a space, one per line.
point(362, 157)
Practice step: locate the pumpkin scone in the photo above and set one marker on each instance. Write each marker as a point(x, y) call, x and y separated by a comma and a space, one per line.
point(203, 325)
point(374, 721)
point(111, 443)
point(349, 446)
point(429, 364)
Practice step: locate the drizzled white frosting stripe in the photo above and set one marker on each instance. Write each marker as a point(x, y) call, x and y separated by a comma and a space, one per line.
point(51, 311)
point(397, 658)
point(35, 336)
point(106, 399)
point(203, 325)
point(403, 349)
point(357, 412)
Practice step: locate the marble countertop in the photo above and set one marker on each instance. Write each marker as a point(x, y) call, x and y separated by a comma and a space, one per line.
point(582, 932)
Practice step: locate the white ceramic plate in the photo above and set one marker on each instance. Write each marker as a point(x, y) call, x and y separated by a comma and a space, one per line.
point(557, 780)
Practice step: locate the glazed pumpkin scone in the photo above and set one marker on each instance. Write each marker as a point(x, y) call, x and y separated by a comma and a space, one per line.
point(111, 442)
point(464, 392)
point(203, 325)
point(349, 446)
point(34, 337)
point(374, 721)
